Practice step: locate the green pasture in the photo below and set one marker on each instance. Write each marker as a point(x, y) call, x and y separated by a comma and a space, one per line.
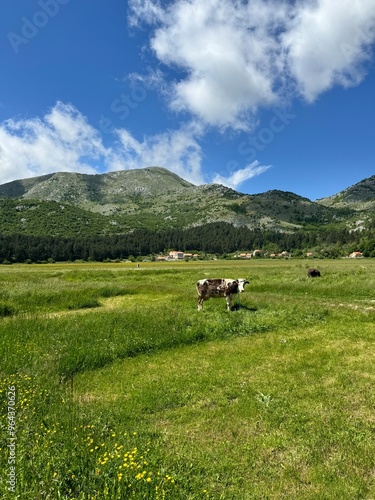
point(113, 385)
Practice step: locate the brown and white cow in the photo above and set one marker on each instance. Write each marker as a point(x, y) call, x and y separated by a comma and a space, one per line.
point(219, 287)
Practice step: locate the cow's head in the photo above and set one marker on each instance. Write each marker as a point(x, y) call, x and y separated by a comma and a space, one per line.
point(241, 284)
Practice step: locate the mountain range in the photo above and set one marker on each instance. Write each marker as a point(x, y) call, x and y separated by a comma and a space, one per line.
point(68, 204)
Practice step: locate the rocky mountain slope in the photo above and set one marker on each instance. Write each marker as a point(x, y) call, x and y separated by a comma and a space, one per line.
point(360, 196)
point(155, 198)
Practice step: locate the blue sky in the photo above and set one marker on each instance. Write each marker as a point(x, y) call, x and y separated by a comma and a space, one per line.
point(256, 95)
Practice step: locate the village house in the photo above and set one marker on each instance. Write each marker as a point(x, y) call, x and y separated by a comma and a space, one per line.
point(176, 255)
point(356, 255)
point(244, 255)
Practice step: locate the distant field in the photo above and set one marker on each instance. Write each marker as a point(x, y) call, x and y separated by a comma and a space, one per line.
point(114, 386)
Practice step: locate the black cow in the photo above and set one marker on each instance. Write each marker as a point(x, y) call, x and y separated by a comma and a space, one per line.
point(313, 273)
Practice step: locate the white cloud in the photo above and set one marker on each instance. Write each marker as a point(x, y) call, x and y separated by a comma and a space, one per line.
point(240, 176)
point(226, 75)
point(176, 150)
point(235, 56)
point(328, 44)
point(61, 141)
point(146, 10)
point(72, 129)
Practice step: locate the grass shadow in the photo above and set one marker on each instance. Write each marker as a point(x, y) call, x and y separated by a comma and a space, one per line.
point(239, 307)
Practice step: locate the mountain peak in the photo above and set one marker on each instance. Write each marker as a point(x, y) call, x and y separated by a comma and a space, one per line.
point(112, 187)
point(359, 196)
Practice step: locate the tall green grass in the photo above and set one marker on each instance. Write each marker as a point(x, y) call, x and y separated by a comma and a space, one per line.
point(125, 390)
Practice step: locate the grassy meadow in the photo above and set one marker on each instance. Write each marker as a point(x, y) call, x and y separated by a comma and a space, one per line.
point(113, 385)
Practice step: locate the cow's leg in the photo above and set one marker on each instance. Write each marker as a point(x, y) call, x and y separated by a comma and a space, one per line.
point(200, 303)
point(228, 299)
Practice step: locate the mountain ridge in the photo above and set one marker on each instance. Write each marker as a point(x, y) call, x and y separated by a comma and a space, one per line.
point(359, 196)
point(156, 198)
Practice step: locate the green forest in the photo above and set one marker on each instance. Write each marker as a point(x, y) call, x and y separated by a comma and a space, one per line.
point(221, 239)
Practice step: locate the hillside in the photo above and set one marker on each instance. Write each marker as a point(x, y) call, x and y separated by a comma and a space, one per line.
point(113, 187)
point(154, 198)
point(360, 196)
point(34, 217)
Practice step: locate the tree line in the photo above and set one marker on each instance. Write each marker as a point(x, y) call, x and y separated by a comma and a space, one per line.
point(215, 238)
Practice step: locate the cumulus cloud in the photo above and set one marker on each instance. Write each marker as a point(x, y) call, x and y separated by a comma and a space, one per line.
point(176, 150)
point(234, 56)
point(226, 76)
point(327, 44)
point(62, 140)
point(240, 176)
